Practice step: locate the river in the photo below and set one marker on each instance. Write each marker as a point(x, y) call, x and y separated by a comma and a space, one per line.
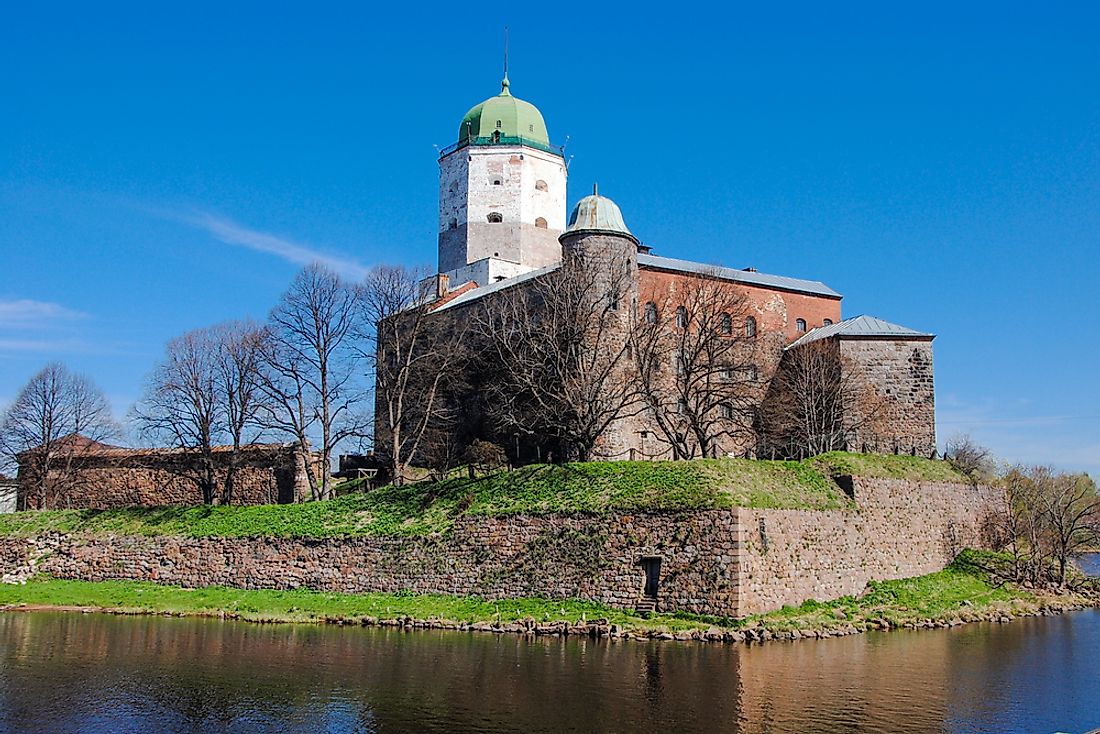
point(100, 673)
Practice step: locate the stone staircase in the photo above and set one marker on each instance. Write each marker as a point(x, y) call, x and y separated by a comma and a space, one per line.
point(645, 605)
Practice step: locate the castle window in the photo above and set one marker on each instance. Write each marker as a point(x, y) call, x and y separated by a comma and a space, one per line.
point(800, 326)
point(498, 124)
point(651, 313)
point(725, 324)
point(495, 217)
point(531, 128)
point(828, 322)
point(678, 362)
point(750, 327)
point(725, 374)
point(613, 300)
point(497, 182)
point(726, 410)
point(540, 185)
point(540, 223)
point(681, 317)
point(752, 372)
point(681, 406)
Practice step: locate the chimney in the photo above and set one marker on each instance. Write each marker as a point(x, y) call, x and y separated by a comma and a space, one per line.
point(442, 284)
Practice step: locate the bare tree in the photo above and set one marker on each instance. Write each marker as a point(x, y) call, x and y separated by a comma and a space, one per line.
point(969, 457)
point(562, 346)
point(415, 358)
point(311, 372)
point(205, 392)
point(696, 357)
point(816, 402)
point(57, 418)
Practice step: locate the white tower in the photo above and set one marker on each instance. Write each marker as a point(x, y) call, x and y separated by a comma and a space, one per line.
point(501, 194)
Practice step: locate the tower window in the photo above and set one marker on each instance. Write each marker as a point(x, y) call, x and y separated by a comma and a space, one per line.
point(497, 182)
point(750, 327)
point(752, 373)
point(681, 317)
point(651, 313)
point(681, 406)
point(800, 326)
point(725, 374)
point(725, 324)
point(495, 218)
point(498, 124)
point(678, 363)
point(531, 128)
point(540, 223)
point(540, 185)
point(726, 410)
point(828, 322)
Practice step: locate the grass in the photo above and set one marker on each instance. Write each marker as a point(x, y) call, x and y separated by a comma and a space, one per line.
point(959, 590)
point(428, 507)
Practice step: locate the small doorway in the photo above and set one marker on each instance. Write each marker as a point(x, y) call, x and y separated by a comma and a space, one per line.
point(652, 567)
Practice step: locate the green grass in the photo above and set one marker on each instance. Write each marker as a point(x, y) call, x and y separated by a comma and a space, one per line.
point(959, 590)
point(887, 466)
point(428, 507)
point(431, 507)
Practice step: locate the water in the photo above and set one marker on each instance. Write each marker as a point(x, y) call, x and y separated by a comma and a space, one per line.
point(100, 673)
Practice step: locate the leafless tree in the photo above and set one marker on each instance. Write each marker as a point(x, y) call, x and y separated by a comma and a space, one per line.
point(969, 457)
point(205, 393)
point(57, 418)
point(697, 363)
point(310, 380)
point(562, 346)
point(415, 358)
point(817, 401)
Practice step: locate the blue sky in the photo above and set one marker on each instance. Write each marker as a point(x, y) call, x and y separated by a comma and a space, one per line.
point(164, 168)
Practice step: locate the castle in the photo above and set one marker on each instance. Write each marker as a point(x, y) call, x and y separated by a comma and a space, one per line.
point(743, 359)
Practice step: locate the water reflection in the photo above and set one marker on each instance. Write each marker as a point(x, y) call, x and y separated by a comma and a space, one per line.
point(97, 673)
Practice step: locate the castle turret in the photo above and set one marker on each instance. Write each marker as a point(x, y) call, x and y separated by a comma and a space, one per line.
point(501, 193)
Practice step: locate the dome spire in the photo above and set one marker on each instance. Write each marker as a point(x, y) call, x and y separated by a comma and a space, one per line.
point(504, 82)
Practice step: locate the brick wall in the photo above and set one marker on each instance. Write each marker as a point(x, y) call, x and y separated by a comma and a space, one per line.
point(713, 562)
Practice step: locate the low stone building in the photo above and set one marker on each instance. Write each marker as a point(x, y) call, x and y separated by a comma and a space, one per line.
point(100, 476)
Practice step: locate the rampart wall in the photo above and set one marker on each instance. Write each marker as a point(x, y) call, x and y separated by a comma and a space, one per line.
point(721, 562)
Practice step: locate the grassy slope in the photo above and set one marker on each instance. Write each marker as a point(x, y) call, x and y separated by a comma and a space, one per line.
point(431, 507)
point(959, 590)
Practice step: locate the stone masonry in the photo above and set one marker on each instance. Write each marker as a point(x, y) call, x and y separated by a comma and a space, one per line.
point(722, 562)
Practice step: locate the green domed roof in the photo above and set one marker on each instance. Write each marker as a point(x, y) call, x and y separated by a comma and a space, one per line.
point(597, 213)
point(506, 115)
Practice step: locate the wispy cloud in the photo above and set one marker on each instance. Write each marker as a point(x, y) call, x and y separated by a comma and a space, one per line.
point(28, 314)
point(232, 233)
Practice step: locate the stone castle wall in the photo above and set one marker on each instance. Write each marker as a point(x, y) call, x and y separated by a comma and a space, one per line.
point(721, 562)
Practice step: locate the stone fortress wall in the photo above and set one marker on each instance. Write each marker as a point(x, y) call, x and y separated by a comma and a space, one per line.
point(721, 562)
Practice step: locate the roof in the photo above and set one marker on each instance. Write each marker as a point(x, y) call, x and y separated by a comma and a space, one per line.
point(597, 213)
point(813, 287)
point(87, 447)
point(861, 327)
point(474, 294)
point(504, 116)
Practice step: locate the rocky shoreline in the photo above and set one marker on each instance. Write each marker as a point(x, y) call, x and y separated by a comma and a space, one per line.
point(755, 632)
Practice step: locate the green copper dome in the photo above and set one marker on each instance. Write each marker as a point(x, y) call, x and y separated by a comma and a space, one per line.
point(504, 116)
point(597, 213)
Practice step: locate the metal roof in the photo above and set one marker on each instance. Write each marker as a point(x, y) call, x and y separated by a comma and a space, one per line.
point(597, 213)
point(472, 295)
point(860, 326)
point(813, 287)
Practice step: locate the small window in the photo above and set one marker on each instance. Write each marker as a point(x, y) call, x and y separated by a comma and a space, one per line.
point(725, 374)
point(678, 362)
point(725, 324)
point(540, 185)
point(498, 124)
point(726, 410)
point(531, 128)
point(651, 313)
point(495, 217)
point(828, 322)
point(800, 326)
point(752, 372)
point(497, 182)
point(681, 406)
point(681, 317)
point(750, 327)
point(540, 223)
point(612, 297)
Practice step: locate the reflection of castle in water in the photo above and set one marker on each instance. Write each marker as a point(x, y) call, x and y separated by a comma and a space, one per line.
point(62, 671)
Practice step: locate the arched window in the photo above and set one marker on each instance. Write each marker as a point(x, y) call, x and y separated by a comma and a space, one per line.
point(725, 324)
point(828, 322)
point(651, 313)
point(495, 217)
point(540, 185)
point(726, 410)
point(498, 124)
point(681, 317)
point(540, 223)
point(725, 374)
point(497, 182)
point(800, 326)
point(678, 363)
point(750, 327)
point(752, 372)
